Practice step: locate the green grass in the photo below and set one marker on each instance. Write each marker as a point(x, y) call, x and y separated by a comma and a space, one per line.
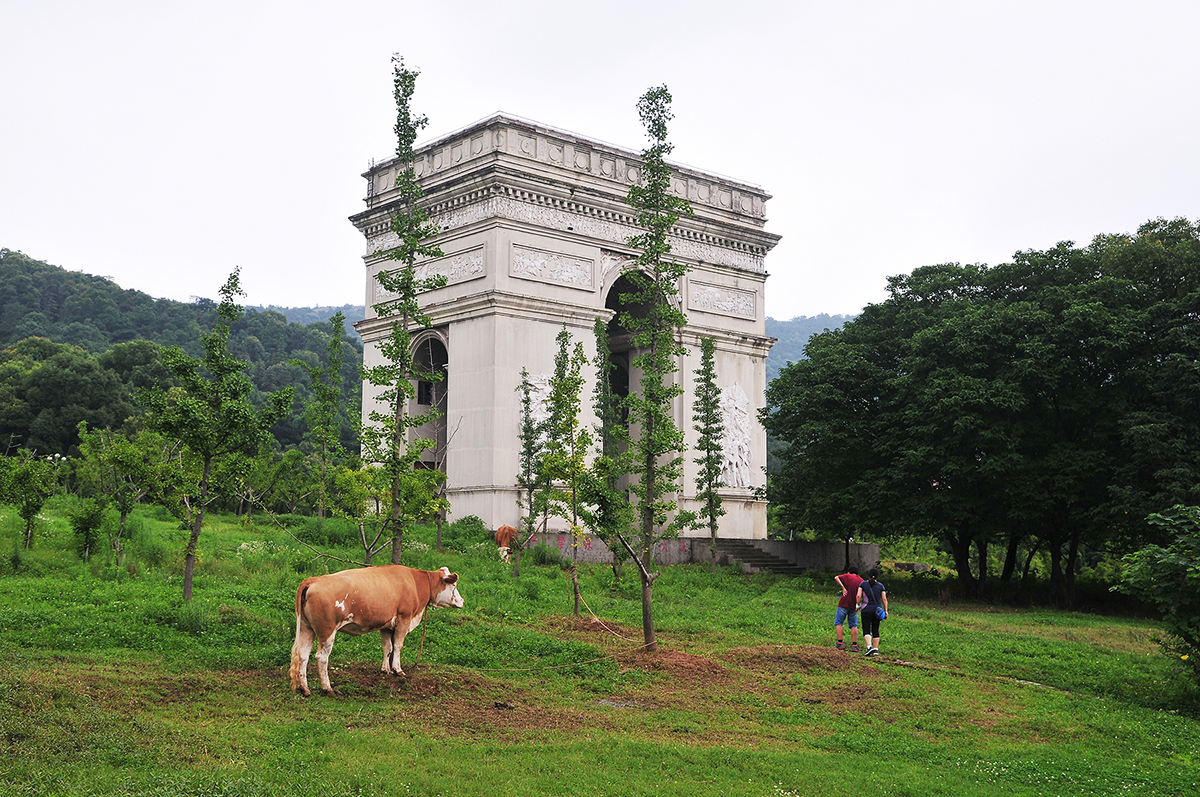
point(115, 687)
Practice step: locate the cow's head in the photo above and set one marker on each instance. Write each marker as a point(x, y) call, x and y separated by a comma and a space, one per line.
point(447, 596)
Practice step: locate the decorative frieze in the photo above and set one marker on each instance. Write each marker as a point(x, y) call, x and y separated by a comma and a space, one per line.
point(720, 300)
point(459, 267)
point(552, 267)
point(610, 227)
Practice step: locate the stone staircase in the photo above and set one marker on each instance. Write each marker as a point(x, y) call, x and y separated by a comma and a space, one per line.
point(753, 558)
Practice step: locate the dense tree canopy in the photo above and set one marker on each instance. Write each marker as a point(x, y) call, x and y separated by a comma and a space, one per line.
point(1048, 403)
point(122, 333)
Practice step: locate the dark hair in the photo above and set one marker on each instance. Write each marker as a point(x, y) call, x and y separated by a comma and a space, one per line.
point(873, 574)
point(853, 570)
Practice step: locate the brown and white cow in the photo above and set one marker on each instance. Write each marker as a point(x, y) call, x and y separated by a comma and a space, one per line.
point(390, 599)
point(505, 535)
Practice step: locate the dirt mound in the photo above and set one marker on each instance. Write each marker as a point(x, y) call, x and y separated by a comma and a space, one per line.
point(593, 629)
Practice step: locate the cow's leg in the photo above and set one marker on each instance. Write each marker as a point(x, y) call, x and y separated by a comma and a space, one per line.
point(391, 656)
point(397, 646)
point(323, 650)
point(301, 650)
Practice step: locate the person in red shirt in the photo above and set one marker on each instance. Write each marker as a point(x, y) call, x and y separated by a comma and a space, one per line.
point(847, 607)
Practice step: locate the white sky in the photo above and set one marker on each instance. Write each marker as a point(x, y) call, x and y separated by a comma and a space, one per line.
point(162, 143)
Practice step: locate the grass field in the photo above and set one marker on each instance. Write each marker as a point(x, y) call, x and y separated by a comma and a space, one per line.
point(116, 687)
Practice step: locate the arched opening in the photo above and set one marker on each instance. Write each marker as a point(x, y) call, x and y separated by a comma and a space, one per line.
point(430, 355)
point(620, 342)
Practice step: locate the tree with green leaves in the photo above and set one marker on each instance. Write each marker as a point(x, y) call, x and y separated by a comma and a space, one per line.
point(321, 413)
point(1037, 404)
point(28, 485)
point(212, 418)
point(125, 469)
point(86, 518)
point(360, 495)
point(568, 443)
point(387, 439)
point(1169, 578)
point(655, 448)
point(706, 417)
point(532, 482)
point(605, 505)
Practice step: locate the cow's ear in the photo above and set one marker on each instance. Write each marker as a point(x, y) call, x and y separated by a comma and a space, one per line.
point(450, 579)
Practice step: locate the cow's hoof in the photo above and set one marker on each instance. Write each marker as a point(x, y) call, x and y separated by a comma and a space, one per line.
point(305, 693)
point(329, 692)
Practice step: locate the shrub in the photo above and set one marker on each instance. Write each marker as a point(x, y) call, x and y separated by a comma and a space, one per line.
point(330, 531)
point(86, 518)
point(1169, 578)
point(465, 532)
point(191, 619)
point(542, 554)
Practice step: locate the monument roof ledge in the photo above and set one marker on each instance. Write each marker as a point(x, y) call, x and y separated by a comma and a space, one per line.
point(503, 118)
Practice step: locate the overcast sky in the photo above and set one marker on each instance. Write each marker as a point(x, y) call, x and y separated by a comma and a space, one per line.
point(162, 143)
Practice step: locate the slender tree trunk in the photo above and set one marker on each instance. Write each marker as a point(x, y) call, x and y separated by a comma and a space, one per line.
point(1025, 573)
point(321, 494)
point(575, 586)
point(189, 560)
point(1010, 557)
point(1058, 588)
point(648, 615)
point(1072, 562)
point(960, 546)
point(712, 548)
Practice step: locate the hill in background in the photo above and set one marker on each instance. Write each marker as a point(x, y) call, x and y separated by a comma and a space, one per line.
point(114, 332)
point(316, 315)
point(793, 336)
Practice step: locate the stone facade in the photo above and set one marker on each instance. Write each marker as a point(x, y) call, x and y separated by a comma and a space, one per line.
point(533, 229)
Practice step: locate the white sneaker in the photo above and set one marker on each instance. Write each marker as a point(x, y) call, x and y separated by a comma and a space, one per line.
point(873, 652)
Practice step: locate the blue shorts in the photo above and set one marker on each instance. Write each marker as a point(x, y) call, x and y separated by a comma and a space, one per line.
point(840, 617)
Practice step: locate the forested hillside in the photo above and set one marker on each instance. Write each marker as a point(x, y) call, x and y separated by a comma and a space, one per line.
point(793, 336)
point(315, 315)
point(77, 347)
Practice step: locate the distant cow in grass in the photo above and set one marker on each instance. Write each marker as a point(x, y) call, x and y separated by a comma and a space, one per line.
point(505, 536)
point(390, 599)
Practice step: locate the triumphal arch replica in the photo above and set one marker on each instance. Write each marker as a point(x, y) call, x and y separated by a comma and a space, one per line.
point(533, 230)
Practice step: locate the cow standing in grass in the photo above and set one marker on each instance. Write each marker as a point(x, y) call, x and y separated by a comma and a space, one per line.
point(391, 600)
point(505, 537)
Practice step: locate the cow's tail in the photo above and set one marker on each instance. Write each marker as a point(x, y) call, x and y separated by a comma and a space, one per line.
point(297, 645)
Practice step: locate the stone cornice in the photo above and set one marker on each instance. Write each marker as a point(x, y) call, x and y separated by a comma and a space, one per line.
point(735, 247)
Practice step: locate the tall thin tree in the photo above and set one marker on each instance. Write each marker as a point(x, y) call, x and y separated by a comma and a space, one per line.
point(706, 417)
point(532, 476)
point(655, 448)
point(386, 438)
point(606, 510)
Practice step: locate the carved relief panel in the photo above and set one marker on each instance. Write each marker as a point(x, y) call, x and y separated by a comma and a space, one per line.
point(458, 267)
point(552, 267)
point(721, 300)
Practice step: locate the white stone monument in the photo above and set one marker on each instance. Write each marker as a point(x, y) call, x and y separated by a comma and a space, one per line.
point(534, 230)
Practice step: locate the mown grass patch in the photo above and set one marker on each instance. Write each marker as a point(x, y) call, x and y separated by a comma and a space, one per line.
point(110, 684)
